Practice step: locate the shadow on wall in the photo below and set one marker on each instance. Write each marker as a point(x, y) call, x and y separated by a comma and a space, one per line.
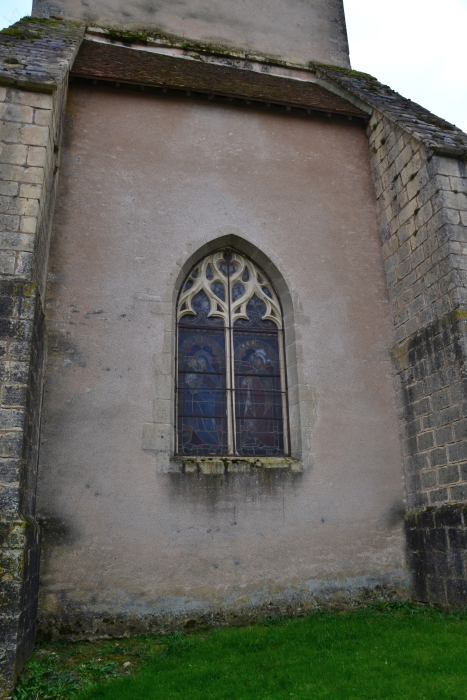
point(220, 490)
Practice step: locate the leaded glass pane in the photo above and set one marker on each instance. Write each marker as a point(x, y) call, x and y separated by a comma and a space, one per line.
point(258, 397)
point(201, 306)
point(261, 437)
point(255, 310)
point(201, 399)
point(229, 403)
point(202, 436)
point(256, 353)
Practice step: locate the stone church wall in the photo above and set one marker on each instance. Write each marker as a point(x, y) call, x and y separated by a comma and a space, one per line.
point(148, 185)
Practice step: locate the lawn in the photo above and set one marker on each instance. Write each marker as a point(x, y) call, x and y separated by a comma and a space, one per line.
point(393, 651)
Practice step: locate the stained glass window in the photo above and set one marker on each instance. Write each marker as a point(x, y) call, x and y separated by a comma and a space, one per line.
point(231, 392)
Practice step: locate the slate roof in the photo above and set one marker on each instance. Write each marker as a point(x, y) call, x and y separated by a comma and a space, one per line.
point(118, 63)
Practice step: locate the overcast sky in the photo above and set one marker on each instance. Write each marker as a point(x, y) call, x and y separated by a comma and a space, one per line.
point(417, 47)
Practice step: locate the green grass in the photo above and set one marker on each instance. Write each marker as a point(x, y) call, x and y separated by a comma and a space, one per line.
point(396, 652)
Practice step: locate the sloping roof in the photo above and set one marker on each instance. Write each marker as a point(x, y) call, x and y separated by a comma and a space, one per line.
point(434, 132)
point(37, 54)
point(105, 61)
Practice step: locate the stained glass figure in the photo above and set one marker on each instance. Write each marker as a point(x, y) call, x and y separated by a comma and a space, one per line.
point(231, 393)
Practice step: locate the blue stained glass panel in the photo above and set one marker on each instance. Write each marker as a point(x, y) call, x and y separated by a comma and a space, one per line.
point(256, 353)
point(202, 436)
point(255, 310)
point(258, 397)
point(237, 291)
point(259, 437)
point(201, 351)
point(219, 290)
point(201, 306)
point(201, 400)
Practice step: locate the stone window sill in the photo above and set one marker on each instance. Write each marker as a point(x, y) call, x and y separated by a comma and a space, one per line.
point(234, 465)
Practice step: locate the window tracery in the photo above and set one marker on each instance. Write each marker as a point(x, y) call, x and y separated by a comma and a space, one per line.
point(231, 394)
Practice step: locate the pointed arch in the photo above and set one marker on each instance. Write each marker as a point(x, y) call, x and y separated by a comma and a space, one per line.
point(231, 389)
point(159, 436)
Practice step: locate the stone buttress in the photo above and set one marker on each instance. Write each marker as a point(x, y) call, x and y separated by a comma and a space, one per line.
point(33, 80)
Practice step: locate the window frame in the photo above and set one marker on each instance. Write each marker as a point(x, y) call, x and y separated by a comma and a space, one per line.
point(229, 329)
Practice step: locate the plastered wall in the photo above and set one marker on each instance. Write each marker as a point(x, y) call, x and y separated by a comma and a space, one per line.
point(145, 183)
point(294, 30)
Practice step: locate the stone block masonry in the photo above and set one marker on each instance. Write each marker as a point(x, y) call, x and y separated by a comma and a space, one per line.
point(31, 113)
point(422, 198)
point(423, 203)
point(437, 545)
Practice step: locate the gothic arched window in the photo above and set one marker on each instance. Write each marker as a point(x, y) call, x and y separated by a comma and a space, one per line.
point(231, 392)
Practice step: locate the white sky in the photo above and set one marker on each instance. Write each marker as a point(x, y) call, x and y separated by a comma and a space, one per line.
point(417, 47)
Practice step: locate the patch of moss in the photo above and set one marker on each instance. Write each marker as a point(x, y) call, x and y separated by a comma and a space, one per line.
point(126, 37)
point(20, 32)
point(129, 37)
point(344, 71)
point(197, 47)
point(55, 22)
point(437, 121)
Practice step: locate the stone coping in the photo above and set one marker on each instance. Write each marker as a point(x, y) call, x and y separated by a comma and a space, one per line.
point(37, 54)
point(435, 133)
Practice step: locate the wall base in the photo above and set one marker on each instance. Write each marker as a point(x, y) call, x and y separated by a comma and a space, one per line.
point(437, 552)
point(19, 571)
point(76, 622)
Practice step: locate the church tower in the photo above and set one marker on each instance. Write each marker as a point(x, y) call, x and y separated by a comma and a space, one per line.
point(233, 318)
